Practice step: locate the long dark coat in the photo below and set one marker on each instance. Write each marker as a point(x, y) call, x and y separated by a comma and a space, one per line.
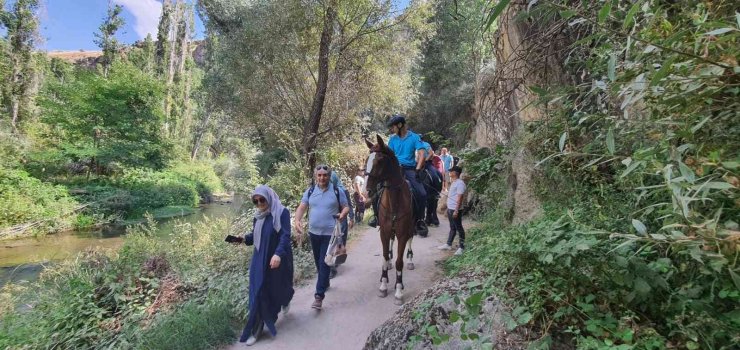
point(269, 289)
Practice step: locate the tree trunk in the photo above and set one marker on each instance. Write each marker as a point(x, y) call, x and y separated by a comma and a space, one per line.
point(15, 106)
point(311, 128)
point(199, 136)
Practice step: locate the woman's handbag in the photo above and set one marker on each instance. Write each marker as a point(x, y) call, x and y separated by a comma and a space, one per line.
point(337, 252)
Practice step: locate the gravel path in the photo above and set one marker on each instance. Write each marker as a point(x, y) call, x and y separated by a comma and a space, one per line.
point(352, 308)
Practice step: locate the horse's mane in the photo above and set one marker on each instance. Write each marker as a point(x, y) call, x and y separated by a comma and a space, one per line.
point(388, 152)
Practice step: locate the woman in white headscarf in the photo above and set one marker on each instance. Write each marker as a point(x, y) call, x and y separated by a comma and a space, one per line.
point(271, 270)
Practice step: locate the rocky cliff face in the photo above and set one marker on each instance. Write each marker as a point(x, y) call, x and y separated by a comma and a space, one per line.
point(528, 54)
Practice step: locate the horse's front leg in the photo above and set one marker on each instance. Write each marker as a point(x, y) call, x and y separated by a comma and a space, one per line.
point(410, 255)
point(399, 272)
point(383, 290)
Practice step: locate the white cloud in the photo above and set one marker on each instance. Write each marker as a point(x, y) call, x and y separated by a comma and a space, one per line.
point(146, 15)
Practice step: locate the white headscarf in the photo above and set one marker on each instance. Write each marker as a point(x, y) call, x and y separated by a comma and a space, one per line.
point(274, 207)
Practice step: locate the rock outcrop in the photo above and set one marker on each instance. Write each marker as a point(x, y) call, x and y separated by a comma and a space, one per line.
point(433, 308)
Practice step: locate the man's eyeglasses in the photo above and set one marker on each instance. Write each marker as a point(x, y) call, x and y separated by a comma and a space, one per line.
point(322, 167)
point(259, 200)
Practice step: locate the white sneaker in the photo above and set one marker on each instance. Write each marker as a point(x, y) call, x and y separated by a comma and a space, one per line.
point(444, 247)
point(459, 251)
point(251, 341)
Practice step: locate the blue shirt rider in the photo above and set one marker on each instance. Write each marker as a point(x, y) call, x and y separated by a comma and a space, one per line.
point(410, 151)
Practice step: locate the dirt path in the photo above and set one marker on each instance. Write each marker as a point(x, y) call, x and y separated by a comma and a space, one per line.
point(352, 308)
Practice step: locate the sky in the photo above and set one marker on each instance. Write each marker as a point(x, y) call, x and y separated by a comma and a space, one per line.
point(70, 24)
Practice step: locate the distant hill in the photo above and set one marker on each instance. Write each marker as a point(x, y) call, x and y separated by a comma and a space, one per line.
point(89, 58)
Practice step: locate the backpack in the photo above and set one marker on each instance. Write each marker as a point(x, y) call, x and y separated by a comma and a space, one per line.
point(336, 193)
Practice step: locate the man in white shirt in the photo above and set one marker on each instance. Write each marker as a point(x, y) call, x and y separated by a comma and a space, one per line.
point(454, 204)
point(359, 196)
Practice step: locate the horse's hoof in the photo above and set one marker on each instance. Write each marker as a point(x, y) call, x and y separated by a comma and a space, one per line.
point(398, 302)
point(410, 266)
point(383, 293)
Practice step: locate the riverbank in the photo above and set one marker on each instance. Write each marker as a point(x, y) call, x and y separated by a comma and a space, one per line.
point(23, 259)
point(34, 206)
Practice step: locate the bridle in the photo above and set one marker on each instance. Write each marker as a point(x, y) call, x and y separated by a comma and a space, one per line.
point(383, 185)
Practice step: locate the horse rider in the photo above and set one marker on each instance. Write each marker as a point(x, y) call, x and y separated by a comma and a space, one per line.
point(409, 149)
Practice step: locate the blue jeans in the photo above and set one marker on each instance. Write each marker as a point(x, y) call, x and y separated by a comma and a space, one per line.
point(420, 194)
point(455, 227)
point(319, 246)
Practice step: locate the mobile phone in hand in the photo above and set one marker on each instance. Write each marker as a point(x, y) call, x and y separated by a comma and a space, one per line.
point(233, 239)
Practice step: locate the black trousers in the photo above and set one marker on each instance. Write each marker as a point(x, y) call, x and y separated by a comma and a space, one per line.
point(455, 227)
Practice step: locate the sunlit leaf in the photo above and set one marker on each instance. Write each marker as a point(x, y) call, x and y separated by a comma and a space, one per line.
point(720, 31)
point(639, 226)
point(663, 72)
point(735, 278)
point(631, 168)
point(495, 12)
point(732, 165)
point(611, 67)
point(629, 19)
point(561, 144)
point(610, 141)
point(686, 172)
point(605, 10)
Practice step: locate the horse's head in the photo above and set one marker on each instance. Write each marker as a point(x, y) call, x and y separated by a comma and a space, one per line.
point(381, 164)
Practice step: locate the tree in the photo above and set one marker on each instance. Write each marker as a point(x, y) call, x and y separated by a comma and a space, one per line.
point(449, 72)
point(21, 24)
point(102, 120)
point(106, 40)
point(336, 61)
point(163, 36)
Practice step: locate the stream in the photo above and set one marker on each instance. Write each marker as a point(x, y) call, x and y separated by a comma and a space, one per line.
point(24, 259)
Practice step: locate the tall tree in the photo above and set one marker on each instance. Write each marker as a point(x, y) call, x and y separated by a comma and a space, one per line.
point(335, 61)
point(311, 128)
point(106, 37)
point(21, 24)
point(163, 36)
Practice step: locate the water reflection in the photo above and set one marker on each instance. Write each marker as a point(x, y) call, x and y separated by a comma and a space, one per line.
point(23, 259)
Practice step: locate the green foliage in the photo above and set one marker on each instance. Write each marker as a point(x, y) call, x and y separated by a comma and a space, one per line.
point(485, 172)
point(289, 182)
point(452, 61)
point(202, 174)
point(237, 168)
point(151, 190)
point(24, 199)
point(192, 326)
point(637, 246)
point(131, 300)
point(104, 120)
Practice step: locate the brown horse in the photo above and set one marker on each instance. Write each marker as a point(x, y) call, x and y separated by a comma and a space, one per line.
point(395, 214)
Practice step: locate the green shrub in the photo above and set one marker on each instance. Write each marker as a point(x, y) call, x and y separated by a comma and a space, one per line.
point(200, 173)
point(25, 199)
point(151, 190)
point(190, 280)
point(191, 326)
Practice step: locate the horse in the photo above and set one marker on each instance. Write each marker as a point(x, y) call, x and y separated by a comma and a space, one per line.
point(395, 212)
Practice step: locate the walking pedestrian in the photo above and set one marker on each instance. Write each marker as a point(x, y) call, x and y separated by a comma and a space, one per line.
point(271, 269)
point(454, 204)
point(359, 196)
point(325, 202)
